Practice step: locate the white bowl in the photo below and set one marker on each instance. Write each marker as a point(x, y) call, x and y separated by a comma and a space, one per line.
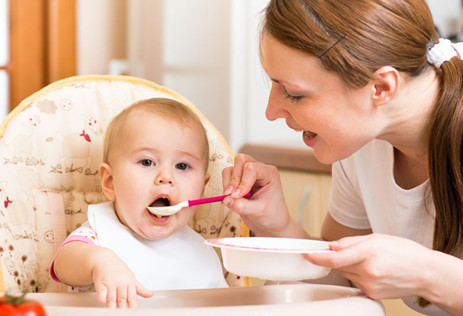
point(278, 259)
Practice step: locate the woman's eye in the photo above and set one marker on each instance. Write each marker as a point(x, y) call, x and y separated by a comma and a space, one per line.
point(146, 162)
point(182, 166)
point(290, 97)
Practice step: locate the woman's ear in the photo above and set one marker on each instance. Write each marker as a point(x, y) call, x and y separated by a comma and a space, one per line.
point(385, 85)
point(106, 180)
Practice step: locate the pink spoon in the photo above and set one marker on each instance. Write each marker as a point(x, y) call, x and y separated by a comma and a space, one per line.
point(170, 210)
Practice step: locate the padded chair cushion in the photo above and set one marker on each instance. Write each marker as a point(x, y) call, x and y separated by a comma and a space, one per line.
point(51, 146)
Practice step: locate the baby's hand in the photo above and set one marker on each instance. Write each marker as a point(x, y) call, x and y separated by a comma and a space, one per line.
point(115, 283)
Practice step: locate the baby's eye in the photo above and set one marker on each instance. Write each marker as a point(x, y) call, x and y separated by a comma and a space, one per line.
point(182, 166)
point(146, 162)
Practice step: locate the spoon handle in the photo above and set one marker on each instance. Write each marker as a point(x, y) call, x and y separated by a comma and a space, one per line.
point(211, 199)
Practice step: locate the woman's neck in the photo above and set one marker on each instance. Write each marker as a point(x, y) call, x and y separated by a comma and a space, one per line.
point(408, 128)
point(409, 115)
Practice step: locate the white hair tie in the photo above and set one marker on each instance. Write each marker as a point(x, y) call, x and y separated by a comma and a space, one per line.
point(443, 51)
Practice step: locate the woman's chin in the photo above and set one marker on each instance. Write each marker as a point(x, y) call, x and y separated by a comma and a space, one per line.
point(323, 157)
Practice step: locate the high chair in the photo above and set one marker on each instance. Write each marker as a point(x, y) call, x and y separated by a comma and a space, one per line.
point(50, 149)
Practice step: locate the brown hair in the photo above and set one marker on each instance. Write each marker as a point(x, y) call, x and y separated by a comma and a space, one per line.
point(354, 43)
point(168, 108)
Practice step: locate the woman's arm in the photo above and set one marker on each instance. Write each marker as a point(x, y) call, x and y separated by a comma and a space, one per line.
point(332, 230)
point(442, 280)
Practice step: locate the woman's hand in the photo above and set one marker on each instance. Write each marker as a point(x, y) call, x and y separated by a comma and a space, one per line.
point(381, 266)
point(115, 283)
point(265, 212)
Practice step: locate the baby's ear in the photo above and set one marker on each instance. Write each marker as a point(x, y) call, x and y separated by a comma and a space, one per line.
point(207, 178)
point(206, 181)
point(106, 180)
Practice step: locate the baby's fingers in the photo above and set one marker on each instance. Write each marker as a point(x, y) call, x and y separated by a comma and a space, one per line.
point(122, 297)
point(105, 295)
point(102, 293)
point(142, 291)
point(132, 297)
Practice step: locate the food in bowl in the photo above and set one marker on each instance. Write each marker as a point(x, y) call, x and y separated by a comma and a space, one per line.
point(270, 258)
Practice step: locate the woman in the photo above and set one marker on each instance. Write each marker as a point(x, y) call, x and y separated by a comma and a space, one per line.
point(376, 93)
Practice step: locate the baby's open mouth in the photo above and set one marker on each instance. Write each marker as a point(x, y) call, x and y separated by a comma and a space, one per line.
point(160, 202)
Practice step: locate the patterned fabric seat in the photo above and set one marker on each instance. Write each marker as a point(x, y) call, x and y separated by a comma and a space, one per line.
point(50, 150)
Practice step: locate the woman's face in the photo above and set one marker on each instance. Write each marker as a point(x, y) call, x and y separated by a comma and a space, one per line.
point(335, 120)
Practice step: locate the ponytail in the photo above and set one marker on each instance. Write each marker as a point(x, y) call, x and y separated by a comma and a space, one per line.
point(445, 159)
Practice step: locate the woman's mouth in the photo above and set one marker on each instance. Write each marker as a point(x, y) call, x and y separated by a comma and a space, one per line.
point(309, 138)
point(308, 135)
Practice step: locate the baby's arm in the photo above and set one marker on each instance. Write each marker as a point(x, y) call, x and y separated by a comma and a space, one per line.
point(75, 261)
point(79, 264)
point(80, 261)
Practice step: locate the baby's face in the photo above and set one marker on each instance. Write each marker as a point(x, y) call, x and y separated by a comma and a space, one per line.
point(156, 161)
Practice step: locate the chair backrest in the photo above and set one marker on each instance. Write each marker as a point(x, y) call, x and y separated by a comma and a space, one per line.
point(50, 149)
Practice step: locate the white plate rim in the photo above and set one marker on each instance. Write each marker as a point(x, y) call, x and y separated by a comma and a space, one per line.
point(220, 243)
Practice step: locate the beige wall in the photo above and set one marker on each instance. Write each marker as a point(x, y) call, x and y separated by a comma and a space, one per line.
point(182, 44)
point(101, 34)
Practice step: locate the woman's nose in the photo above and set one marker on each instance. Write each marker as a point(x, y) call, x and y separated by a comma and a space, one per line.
point(164, 177)
point(274, 109)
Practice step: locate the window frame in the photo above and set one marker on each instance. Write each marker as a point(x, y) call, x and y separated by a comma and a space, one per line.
point(42, 37)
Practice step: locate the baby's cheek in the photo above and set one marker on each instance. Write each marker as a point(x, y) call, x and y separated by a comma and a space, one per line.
point(186, 215)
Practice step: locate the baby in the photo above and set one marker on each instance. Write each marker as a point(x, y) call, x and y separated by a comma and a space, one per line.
point(156, 153)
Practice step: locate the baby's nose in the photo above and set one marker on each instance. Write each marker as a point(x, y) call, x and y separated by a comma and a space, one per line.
point(164, 177)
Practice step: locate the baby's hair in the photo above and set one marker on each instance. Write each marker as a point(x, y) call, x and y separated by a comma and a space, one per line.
point(167, 108)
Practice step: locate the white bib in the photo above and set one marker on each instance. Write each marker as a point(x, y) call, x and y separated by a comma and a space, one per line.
point(180, 261)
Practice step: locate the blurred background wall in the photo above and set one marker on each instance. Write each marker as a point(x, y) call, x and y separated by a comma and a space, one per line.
point(207, 50)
